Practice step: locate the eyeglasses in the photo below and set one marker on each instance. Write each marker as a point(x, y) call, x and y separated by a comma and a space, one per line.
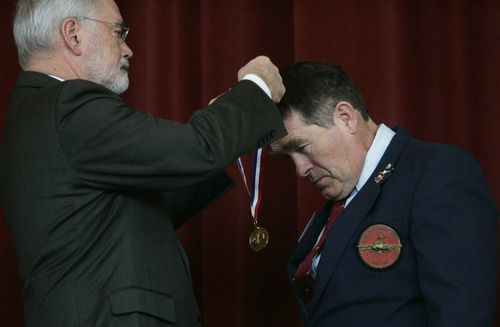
point(121, 34)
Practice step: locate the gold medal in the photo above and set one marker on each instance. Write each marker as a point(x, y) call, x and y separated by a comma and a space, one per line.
point(259, 238)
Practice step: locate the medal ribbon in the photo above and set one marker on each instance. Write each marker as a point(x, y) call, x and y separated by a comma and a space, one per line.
point(254, 193)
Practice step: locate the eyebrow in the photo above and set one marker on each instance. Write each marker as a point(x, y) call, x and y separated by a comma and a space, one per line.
point(120, 24)
point(287, 147)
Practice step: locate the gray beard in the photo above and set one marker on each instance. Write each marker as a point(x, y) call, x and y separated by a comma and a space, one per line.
point(116, 81)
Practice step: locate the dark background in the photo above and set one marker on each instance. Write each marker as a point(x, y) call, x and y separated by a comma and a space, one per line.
point(430, 66)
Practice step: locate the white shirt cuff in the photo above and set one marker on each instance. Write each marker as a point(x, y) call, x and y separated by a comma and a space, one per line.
point(260, 82)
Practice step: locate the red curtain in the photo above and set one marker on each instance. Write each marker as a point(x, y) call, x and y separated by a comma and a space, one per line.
point(430, 66)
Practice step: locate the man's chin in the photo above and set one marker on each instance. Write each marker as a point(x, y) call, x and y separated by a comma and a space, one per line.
point(326, 193)
point(118, 86)
point(330, 194)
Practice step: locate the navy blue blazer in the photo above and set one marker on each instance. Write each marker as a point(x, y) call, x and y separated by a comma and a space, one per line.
point(436, 198)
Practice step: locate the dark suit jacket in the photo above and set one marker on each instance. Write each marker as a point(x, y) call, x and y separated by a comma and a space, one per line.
point(93, 190)
point(439, 203)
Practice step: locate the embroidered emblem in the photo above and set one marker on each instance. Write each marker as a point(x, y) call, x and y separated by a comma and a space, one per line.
point(379, 246)
point(384, 172)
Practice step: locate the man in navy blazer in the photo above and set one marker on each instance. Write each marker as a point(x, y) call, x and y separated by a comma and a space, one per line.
point(415, 244)
point(93, 190)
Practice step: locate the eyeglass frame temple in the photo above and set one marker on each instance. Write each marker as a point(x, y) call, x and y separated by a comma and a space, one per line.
point(117, 25)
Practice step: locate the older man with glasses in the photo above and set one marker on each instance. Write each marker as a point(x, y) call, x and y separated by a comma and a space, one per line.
point(93, 190)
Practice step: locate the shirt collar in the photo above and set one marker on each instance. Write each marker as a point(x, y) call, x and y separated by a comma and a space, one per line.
point(58, 78)
point(380, 143)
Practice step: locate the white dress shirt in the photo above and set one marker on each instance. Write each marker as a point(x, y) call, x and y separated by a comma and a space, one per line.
point(380, 143)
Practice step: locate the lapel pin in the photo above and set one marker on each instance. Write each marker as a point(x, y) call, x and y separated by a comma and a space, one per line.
point(384, 172)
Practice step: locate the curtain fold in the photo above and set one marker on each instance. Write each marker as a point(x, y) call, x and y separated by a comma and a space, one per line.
point(429, 66)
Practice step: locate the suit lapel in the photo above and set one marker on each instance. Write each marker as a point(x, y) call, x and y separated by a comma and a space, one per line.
point(305, 245)
point(310, 236)
point(347, 223)
point(341, 233)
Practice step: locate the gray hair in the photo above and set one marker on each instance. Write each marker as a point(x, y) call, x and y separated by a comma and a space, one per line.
point(38, 22)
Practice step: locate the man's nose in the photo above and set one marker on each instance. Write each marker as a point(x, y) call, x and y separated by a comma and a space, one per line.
point(126, 51)
point(302, 166)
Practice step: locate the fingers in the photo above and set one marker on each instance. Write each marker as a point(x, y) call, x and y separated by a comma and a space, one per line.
point(265, 69)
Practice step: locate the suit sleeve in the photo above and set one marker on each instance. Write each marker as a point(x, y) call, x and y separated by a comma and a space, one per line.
point(112, 146)
point(454, 223)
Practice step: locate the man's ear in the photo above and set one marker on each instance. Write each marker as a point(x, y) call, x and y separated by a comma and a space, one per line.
point(70, 30)
point(346, 114)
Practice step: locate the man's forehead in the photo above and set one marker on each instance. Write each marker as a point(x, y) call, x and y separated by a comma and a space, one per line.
point(111, 11)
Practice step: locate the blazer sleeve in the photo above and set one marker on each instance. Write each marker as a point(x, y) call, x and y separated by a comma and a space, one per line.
point(185, 203)
point(454, 231)
point(112, 146)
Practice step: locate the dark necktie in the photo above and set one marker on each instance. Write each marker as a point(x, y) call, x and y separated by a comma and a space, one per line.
point(303, 281)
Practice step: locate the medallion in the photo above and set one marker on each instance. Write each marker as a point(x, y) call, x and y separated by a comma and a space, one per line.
point(379, 246)
point(259, 238)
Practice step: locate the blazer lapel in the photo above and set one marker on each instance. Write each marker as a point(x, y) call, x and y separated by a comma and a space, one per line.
point(310, 236)
point(346, 224)
point(306, 243)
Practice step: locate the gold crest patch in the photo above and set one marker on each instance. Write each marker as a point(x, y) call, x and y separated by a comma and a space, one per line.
point(379, 246)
